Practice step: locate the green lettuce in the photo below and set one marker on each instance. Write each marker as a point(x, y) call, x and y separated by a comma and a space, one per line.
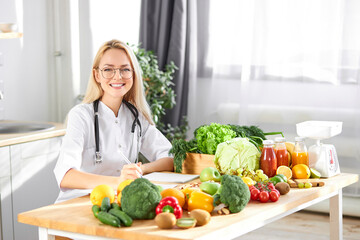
point(209, 136)
point(236, 155)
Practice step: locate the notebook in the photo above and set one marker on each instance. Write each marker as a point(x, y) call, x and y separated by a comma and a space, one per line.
point(170, 177)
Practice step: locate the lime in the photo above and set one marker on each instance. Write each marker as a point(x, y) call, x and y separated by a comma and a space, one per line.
point(284, 178)
point(276, 179)
point(314, 173)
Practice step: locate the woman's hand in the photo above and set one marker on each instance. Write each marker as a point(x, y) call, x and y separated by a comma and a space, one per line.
point(131, 171)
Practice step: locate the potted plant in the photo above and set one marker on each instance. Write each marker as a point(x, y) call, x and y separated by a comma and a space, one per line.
point(159, 93)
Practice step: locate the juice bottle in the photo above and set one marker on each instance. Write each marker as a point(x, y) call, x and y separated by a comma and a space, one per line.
point(282, 154)
point(300, 153)
point(268, 161)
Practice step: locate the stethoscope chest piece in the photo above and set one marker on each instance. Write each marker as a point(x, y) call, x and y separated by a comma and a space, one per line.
point(98, 158)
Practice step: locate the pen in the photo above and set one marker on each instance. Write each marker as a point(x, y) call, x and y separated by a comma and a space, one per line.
point(128, 162)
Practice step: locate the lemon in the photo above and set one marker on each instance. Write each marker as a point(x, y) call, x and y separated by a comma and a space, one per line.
point(100, 192)
point(314, 173)
point(301, 171)
point(285, 171)
point(248, 181)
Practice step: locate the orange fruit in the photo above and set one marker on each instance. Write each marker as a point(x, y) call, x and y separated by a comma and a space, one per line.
point(174, 192)
point(301, 171)
point(101, 191)
point(286, 171)
point(121, 186)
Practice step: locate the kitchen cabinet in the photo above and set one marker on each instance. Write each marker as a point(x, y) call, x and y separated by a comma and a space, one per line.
point(6, 223)
point(33, 181)
point(27, 181)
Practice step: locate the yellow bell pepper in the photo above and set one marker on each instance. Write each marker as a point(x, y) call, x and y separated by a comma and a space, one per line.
point(200, 200)
point(187, 192)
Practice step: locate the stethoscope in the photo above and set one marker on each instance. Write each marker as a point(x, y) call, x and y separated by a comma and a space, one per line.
point(135, 112)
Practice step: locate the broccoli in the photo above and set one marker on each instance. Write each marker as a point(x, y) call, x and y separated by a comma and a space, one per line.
point(233, 192)
point(140, 198)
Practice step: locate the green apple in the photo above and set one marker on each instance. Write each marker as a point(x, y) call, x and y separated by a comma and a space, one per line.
point(210, 173)
point(209, 187)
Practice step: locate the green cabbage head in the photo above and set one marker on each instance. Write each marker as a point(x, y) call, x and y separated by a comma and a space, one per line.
point(236, 155)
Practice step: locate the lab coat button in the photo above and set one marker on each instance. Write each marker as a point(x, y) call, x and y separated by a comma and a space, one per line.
point(116, 121)
point(119, 145)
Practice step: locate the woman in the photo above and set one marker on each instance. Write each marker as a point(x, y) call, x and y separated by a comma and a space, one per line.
point(117, 83)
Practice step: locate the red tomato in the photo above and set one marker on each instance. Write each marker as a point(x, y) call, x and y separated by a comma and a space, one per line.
point(277, 191)
point(264, 196)
point(255, 194)
point(271, 186)
point(274, 196)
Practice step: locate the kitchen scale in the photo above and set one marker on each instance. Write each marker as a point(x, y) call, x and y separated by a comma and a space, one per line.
point(322, 157)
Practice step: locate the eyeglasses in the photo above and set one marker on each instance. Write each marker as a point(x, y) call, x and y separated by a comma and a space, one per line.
point(109, 72)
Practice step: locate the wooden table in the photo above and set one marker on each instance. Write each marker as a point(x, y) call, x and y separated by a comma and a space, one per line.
point(74, 218)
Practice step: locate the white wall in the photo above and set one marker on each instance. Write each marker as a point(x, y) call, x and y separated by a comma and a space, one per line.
point(37, 85)
point(25, 68)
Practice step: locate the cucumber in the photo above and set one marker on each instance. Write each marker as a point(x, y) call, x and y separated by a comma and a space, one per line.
point(114, 205)
point(105, 204)
point(95, 209)
point(124, 218)
point(108, 219)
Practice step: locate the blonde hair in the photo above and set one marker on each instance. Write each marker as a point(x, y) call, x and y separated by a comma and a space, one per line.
point(136, 95)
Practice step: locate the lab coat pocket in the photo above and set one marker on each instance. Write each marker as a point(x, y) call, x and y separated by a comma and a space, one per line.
point(88, 160)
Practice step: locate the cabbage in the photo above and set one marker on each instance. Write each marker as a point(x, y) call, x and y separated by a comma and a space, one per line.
point(236, 155)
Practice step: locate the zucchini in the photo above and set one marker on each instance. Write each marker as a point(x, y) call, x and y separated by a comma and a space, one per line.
point(124, 218)
point(95, 209)
point(108, 219)
point(105, 204)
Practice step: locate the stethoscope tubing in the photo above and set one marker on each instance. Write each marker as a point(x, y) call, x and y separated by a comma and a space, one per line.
point(135, 112)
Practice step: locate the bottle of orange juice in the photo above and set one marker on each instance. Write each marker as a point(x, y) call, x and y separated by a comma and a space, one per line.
point(300, 153)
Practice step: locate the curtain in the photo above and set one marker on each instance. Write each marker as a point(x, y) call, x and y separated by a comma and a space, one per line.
point(278, 63)
point(170, 29)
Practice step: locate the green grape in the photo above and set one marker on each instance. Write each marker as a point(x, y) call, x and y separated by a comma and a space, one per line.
point(301, 185)
point(307, 185)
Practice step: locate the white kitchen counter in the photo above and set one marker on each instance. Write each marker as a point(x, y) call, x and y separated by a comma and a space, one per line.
point(16, 138)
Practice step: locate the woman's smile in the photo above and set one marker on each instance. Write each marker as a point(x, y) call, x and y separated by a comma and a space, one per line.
point(117, 85)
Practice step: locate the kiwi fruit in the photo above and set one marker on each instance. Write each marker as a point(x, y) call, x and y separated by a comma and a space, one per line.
point(165, 220)
point(283, 187)
point(202, 217)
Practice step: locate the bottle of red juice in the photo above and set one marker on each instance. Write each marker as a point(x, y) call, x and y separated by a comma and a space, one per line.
point(268, 161)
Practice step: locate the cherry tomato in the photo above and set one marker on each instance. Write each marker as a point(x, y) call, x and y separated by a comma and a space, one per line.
point(277, 191)
point(274, 196)
point(254, 194)
point(271, 186)
point(264, 196)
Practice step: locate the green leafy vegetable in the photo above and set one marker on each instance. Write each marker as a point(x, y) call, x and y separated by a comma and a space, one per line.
point(236, 155)
point(209, 136)
point(179, 149)
point(253, 133)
